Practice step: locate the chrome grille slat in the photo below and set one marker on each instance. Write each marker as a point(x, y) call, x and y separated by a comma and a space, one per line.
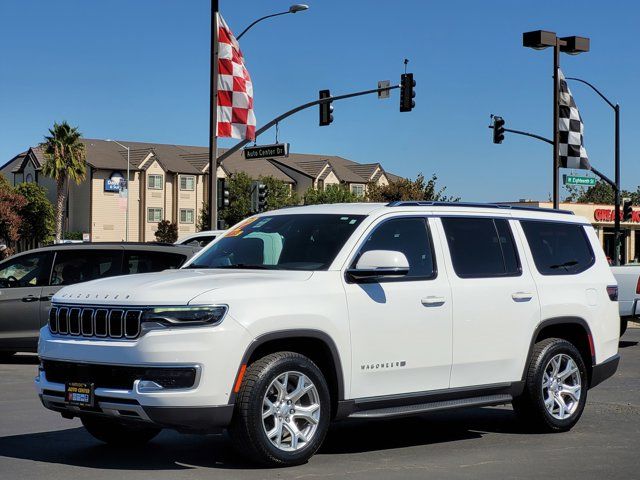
point(101, 322)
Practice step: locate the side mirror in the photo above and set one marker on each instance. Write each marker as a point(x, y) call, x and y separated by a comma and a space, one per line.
point(376, 264)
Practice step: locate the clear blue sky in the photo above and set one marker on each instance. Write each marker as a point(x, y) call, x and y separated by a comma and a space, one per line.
point(138, 70)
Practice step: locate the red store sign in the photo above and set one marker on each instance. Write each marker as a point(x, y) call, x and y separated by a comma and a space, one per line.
point(608, 215)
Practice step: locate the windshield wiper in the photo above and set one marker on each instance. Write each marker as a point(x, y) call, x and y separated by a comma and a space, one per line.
point(565, 265)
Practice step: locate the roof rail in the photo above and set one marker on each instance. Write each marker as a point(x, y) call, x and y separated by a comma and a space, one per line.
point(428, 203)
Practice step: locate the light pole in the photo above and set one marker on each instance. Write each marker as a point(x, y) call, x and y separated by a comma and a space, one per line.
point(126, 226)
point(539, 40)
point(213, 102)
point(617, 201)
point(298, 7)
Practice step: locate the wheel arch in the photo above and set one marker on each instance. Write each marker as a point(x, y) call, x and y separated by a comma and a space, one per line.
point(573, 329)
point(317, 345)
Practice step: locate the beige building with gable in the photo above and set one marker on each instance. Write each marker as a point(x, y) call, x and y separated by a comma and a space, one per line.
point(169, 182)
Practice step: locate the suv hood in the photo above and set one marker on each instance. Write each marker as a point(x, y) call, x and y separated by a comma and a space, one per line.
point(170, 287)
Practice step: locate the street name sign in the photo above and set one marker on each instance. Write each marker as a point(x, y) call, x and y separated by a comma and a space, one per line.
point(575, 180)
point(267, 151)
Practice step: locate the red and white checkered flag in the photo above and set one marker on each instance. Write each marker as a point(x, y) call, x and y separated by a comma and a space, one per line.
point(235, 90)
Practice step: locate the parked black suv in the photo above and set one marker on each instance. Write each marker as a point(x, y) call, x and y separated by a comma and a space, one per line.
point(29, 280)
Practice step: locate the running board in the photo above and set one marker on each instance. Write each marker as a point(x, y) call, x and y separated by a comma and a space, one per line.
point(483, 401)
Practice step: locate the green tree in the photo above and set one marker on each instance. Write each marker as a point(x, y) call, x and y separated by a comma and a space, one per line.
point(406, 189)
point(65, 156)
point(167, 232)
point(279, 193)
point(38, 218)
point(203, 218)
point(240, 185)
point(10, 205)
point(333, 193)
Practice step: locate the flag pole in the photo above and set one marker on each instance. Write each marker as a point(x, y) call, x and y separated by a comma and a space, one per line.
point(556, 148)
point(213, 120)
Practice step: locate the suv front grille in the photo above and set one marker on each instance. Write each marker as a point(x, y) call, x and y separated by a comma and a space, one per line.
point(95, 322)
point(118, 376)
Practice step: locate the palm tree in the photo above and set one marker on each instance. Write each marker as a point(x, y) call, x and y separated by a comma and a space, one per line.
point(65, 156)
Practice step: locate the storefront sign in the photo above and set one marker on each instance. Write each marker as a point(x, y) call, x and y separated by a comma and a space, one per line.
point(608, 215)
point(114, 183)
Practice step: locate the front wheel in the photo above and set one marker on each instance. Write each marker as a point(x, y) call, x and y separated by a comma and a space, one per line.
point(555, 387)
point(117, 433)
point(282, 411)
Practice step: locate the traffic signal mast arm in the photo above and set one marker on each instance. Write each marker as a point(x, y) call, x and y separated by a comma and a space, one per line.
point(287, 114)
point(538, 137)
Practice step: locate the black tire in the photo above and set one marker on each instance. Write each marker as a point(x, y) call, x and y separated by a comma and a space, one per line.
point(530, 406)
point(624, 323)
point(247, 431)
point(116, 433)
point(6, 355)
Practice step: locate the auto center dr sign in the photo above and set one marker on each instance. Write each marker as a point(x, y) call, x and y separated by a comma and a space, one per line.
point(608, 215)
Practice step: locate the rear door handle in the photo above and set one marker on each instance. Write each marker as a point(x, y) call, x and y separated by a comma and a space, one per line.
point(30, 298)
point(433, 301)
point(521, 296)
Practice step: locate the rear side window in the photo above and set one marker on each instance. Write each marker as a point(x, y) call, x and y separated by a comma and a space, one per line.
point(481, 247)
point(409, 236)
point(558, 248)
point(75, 266)
point(144, 262)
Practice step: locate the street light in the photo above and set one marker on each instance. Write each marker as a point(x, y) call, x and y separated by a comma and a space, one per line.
point(539, 40)
point(616, 109)
point(298, 7)
point(126, 226)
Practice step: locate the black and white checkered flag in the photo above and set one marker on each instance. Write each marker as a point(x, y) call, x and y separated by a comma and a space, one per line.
point(572, 152)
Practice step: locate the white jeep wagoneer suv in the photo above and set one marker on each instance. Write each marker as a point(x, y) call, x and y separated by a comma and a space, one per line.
point(298, 317)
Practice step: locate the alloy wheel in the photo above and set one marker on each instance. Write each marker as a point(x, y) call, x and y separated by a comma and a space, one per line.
point(561, 386)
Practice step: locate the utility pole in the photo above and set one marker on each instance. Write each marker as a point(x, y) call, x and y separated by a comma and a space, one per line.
point(213, 119)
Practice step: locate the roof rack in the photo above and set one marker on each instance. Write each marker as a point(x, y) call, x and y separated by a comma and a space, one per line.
point(422, 203)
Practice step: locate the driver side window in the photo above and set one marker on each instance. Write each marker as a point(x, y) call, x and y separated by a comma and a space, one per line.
point(25, 271)
point(409, 235)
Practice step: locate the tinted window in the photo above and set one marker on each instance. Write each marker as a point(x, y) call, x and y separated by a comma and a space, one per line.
point(558, 248)
point(75, 266)
point(281, 242)
point(409, 236)
point(481, 247)
point(25, 271)
point(143, 262)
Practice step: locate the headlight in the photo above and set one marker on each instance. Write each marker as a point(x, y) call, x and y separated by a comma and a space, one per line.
point(186, 316)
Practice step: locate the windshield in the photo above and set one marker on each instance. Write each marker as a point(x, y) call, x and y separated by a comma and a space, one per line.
point(281, 242)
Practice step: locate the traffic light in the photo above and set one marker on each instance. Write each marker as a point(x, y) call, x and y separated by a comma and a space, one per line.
point(224, 200)
point(407, 92)
point(326, 109)
point(627, 210)
point(498, 129)
point(263, 191)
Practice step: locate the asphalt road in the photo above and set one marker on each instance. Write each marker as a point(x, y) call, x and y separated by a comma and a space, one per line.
point(477, 443)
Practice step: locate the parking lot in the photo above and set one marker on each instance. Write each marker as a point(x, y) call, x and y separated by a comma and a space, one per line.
point(476, 443)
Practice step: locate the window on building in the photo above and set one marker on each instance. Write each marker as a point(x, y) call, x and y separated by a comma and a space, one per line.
point(358, 189)
point(320, 184)
point(558, 248)
point(481, 247)
point(187, 182)
point(409, 236)
point(154, 215)
point(29, 178)
point(154, 182)
point(186, 215)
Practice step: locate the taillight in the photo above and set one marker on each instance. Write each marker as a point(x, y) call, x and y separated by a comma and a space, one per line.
point(638, 286)
point(612, 290)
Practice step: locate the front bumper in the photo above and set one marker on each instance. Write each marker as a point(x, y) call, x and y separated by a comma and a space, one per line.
point(604, 370)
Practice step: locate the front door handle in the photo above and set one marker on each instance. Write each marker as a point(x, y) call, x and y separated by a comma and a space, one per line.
point(433, 301)
point(30, 298)
point(46, 298)
point(521, 296)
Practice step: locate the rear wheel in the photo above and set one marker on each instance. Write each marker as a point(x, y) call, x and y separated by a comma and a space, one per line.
point(117, 433)
point(282, 411)
point(623, 325)
point(555, 387)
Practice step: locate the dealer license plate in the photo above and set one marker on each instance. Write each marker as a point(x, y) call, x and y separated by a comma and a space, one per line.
point(79, 394)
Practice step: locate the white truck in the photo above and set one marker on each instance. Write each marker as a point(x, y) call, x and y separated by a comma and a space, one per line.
point(628, 278)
